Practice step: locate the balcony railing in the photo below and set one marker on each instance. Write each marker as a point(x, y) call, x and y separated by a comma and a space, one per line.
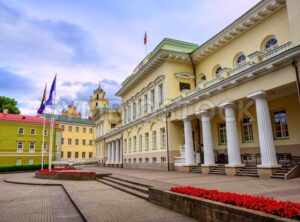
point(241, 68)
point(276, 51)
point(215, 80)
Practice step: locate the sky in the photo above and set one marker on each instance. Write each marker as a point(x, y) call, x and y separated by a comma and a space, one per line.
point(94, 42)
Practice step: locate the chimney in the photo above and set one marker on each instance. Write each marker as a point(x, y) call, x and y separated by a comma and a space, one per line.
point(5, 111)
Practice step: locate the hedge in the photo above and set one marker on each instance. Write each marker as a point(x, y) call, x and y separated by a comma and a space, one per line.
point(22, 168)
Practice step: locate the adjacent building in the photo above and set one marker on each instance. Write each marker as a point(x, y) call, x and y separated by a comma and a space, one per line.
point(232, 101)
point(77, 140)
point(21, 140)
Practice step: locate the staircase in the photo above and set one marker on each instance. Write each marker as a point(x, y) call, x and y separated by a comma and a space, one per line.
point(280, 173)
point(219, 170)
point(134, 188)
point(248, 171)
point(196, 169)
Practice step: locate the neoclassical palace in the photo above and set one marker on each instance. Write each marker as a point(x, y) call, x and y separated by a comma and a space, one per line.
point(228, 106)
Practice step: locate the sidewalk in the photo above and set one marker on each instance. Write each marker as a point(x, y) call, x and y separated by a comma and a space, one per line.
point(276, 188)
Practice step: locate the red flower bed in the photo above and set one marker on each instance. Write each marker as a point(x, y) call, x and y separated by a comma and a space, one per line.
point(67, 170)
point(268, 205)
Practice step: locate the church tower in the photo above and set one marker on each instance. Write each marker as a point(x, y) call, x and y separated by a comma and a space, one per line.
point(97, 100)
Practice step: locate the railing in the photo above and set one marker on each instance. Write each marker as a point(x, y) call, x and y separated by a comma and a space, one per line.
point(277, 50)
point(240, 68)
point(215, 80)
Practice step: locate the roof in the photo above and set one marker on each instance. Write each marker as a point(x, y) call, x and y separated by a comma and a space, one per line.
point(68, 119)
point(22, 118)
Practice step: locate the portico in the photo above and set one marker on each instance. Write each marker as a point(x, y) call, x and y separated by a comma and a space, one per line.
point(114, 153)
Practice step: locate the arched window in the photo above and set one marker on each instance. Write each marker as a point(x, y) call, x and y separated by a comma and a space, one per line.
point(217, 70)
point(203, 77)
point(270, 43)
point(241, 59)
point(96, 104)
point(97, 96)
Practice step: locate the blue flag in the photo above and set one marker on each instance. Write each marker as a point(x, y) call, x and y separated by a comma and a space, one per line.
point(53, 88)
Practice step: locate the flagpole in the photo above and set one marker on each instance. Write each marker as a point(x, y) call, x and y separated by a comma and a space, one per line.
point(43, 140)
point(52, 126)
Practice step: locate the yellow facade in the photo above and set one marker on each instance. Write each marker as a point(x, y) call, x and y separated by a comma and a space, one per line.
point(167, 95)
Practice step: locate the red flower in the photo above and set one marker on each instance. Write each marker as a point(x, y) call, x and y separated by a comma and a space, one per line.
point(268, 205)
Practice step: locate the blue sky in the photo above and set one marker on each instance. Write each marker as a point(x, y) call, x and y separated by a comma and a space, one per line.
point(92, 42)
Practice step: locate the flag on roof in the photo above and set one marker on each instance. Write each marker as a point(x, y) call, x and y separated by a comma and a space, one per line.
point(145, 38)
point(43, 105)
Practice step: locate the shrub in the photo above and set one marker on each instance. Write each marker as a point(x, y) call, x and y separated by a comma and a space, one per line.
point(268, 205)
point(21, 168)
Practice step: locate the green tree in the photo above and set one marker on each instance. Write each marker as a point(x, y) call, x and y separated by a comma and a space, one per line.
point(10, 104)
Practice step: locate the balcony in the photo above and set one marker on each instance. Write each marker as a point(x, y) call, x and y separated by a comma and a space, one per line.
point(241, 68)
point(276, 51)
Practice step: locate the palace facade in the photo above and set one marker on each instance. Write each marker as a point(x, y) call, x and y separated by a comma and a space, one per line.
point(229, 103)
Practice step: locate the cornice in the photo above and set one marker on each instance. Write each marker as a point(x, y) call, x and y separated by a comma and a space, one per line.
point(262, 68)
point(254, 16)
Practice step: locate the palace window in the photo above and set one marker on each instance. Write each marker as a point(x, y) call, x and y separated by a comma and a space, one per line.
point(77, 129)
point(125, 115)
point(45, 132)
point(69, 155)
point(270, 44)
point(146, 160)
point(152, 93)
point(83, 155)
point(83, 142)
point(90, 155)
point(129, 145)
point(91, 130)
point(62, 154)
point(162, 138)
point(21, 131)
point(70, 128)
point(163, 159)
point(222, 134)
point(241, 59)
point(62, 141)
point(146, 141)
point(20, 145)
point(154, 143)
point(70, 141)
point(218, 70)
point(247, 130)
point(32, 132)
point(76, 141)
point(145, 103)
point(19, 161)
point(139, 107)
point(184, 86)
point(31, 146)
point(280, 124)
point(134, 144)
point(30, 161)
point(125, 146)
point(134, 110)
point(45, 146)
point(140, 160)
point(84, 130)
point(62, 127)
point(129, 114)
point(154, 159)
point(90, 142)
point(161, 94)
point(76, 155)
point(140, 143)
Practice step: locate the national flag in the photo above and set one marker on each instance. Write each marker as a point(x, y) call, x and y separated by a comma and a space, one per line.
point(145, 38)
point(53, 88)
point(42, 106)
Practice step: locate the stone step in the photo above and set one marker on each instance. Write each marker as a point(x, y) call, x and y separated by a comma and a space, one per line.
point(129, 181)
point(277, 177)
point(128, 185)
point(247, 174)
point(125, 189)
point(245, 169)
point(218, 173)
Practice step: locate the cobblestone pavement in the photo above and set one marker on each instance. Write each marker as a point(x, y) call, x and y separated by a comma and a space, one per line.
point(276, 188)
point(35, 203)
point(98, 201)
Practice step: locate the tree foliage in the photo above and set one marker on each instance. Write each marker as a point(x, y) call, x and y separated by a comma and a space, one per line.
point(10, 104)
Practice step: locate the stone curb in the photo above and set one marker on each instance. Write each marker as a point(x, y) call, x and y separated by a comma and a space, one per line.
point(85, 215)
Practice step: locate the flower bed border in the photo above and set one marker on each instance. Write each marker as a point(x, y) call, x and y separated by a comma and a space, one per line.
point(207, 210)
point(69, 174)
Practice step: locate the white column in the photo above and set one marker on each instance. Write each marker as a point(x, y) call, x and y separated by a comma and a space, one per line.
point(234, 155)
point(113, 150)
point(121, 151)
point(117, 152)
point(108, 153)
point(267, 148)
point(208, 149)
point(188, 138)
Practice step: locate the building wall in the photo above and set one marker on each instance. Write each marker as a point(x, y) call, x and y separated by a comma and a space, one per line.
point(80, 148)
point(248, 42)
point(8, 143)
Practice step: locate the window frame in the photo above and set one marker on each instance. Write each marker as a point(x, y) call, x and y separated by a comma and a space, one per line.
point(249, 130)
point(281, 131)
point(222, 134)
point(23, 131)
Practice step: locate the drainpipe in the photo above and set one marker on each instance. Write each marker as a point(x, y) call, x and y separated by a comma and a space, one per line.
point(195, 82)
point(167, 140)
point(294, 63)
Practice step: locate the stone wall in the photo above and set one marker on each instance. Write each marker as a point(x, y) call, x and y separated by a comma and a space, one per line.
point(207, 210)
